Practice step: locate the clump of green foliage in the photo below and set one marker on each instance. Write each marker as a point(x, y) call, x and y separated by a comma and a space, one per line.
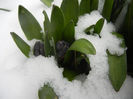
point(58, 37)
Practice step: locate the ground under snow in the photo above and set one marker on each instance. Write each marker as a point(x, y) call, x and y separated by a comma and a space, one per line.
point(20, 78)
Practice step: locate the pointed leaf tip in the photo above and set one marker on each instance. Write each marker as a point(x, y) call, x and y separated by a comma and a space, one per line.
point(99, 25)
point(57, 23)
point(29, 24)
point(22, 45)
point(47, 2)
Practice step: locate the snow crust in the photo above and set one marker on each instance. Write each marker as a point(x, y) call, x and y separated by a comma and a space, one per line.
point(21, 78)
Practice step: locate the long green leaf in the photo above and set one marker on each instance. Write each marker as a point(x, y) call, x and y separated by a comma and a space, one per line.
point(47, 2)
point(4, 9)
point(83, 46)
point(47, 36)
point(47, 46)
point(29, 24)
point(128, 20)
point(47, 92)
point(22, 45)
point(107, 9)
point(70, 9)
point(94, 4)
point(99, 25)
point(84, 7)
point(57, 23)
point(46, 23)
point(117, 69)
point(69, 32)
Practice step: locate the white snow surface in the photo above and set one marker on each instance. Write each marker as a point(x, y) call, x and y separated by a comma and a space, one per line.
point(21, 78)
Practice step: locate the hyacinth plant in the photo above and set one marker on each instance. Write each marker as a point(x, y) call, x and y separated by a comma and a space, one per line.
point(58, 39)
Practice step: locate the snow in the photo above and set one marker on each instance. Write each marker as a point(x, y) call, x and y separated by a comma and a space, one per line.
point(21, 78)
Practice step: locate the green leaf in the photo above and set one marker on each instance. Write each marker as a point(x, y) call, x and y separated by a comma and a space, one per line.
point(118, 35)
point(4, 9)
point(89, 30)
point(107, 9)
point(84, 46)
point(84, 7)
point(69, 74)
point(68, 57)
point(70, 9)
point(22, 45)
point(117, 69)
point(29, 24)
point(47, 2)
point(47, 47)
point(69, 32)
point(118, 5)
point(57, 23)
point(99, 25)
point(46, 23)
point(47, 92)
point(94, 4)
point(128, 20)
point(47, 36)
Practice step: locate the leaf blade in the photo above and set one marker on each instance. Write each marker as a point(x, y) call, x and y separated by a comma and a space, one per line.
point(29, 24)
point(117, 70)
point(94, 4)
point(57, 23)
point(83, 46)
point(69, 32)
point(89, 29)
point(47, 2)
point(69, 74)
point(99, 25)
point(46, 92)
point(70, 9)
point(84, 7)
point(107, 9)
point(22, 45)
point(3, 9)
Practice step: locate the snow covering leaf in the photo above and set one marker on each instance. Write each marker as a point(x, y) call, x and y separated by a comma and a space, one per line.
point(47, 2)
point(22, 45)
point(84, 7)
point(118, 35)
point(107, 9)
point(69, 32)
point(117, 69)
point(57, 23)
point(70, 9)
point(94, 4)
point(4, 9)
point(99, 25)
point(29, 24)
point(88, 30)
point(83, 46)
point(46, 92)
point(69, 74)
